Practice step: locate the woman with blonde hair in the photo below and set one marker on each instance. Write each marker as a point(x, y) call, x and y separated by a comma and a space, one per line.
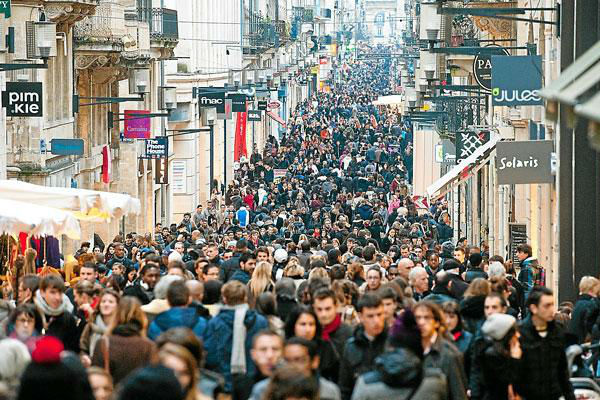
point(295, 271)
point(260, 282)
point(185, 367)
point(125, 347)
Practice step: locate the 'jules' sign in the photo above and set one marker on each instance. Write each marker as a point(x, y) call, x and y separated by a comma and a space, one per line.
point(23, 99)
point(516, 80)
point(527, 161)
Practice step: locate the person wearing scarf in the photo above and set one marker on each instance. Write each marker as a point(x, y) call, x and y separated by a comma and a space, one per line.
point(57, 312)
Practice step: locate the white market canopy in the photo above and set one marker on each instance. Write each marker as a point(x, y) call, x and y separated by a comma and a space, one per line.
point(395, 99)
point(16, 216)
point(85, 204)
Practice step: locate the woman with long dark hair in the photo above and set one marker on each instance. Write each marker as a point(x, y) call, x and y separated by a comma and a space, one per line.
point(302, 322)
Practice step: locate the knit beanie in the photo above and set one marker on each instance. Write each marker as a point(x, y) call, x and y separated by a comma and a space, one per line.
point(406, 334)
point(151, 383)
point(475, 260)
point(497, 325)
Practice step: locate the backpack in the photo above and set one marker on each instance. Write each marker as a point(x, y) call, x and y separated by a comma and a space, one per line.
point(539, 274)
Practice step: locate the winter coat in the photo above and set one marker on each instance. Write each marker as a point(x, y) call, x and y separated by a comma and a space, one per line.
point(473, 273)
point(446, 357)
point(177, 317)
point(583, 317)
point(218, 337)
point(358, 357)
point(136, 290)
point(399, 375)
point(229, 267)
point(472, 312)
point(545, 372)
point(498, 371)
point(240, 275)
point(127, 351)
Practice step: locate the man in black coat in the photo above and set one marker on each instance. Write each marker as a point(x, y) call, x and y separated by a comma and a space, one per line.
point(143, 288)
point(544, 372)
point(586, 309)
point(57, 312)
point(366, 344)
point(229, 267)
point(325, 305)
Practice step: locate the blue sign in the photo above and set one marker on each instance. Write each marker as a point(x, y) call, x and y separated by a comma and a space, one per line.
point(157, 147)
point(516, 80)
point(66, 147)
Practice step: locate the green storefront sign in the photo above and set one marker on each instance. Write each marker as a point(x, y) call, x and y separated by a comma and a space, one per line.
point(5, 8)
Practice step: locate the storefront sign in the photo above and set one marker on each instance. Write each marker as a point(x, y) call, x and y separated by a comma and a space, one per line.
point(254, 115)
point(227, 114)
point(161, 176)
point(469, 141)
point(66, 147)
point(5, 8)
point(273, 105)
point(157, 148)
point(211, 97)
point(136, 125)
point(262, 105)
point(23, 99)
point(238, 102)
point(482, 67)
point(516, 81)
point(526, 161)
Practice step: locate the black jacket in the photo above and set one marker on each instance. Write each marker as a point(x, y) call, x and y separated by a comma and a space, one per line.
point(545, 372)
point(66, 328)
point(498, 372)
point(472, 312)
point(583, 317)
point(229, 267)
point(136, 290)
point(473, 273)
point(359, 357)
point(458, 286)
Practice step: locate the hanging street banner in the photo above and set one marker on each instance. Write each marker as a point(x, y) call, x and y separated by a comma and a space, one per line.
point(212, 97)
point(238, 102)
point(227, 111)
point(136, 125)
point(23, 99)
point(516, 80)
point(254, 115)
point(161, 171)
point(5, 8)
point(527, 161)
point(482, 67)
point(156, 148)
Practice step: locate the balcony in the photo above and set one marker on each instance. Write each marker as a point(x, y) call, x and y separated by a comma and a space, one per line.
point(104, 31)
point(262, 34)
point(69, 11)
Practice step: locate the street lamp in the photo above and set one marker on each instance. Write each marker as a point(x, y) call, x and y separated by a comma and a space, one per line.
point(138, 80)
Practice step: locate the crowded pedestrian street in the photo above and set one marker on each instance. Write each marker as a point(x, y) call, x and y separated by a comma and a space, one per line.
point(351, 208)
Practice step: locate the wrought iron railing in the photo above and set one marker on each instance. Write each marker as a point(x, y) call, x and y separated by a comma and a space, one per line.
point(260, 33)
point(164, 24)
point(98, 27)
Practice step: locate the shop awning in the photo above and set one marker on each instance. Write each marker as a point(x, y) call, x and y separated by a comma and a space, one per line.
point(462, 171)
point(276, 118)
point(16, 217)
point(389, 100)
point(84, 204)
point(573, 85)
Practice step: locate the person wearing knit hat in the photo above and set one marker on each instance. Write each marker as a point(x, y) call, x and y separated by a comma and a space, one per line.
point(49, 376)
point(500, 360)
point(474, 270)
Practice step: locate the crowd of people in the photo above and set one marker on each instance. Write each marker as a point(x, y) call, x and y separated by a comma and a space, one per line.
point(323, 283)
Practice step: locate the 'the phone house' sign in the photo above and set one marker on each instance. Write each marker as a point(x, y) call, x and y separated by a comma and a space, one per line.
point(23, 99)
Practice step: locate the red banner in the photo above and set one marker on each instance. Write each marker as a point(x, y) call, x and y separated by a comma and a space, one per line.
point(106, 165)
point(240, 149)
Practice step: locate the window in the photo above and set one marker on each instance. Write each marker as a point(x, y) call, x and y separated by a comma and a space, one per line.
point(181, 113)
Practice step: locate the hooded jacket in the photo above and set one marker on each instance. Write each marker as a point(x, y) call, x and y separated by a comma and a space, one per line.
point(174, 318)
point(399, 375)
point(218, 337)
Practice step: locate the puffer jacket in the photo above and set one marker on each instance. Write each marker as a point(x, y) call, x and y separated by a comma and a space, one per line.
point(359, 357)
point(177, 317)
point(545, 371)
point(218, 337)
point(399, 375)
